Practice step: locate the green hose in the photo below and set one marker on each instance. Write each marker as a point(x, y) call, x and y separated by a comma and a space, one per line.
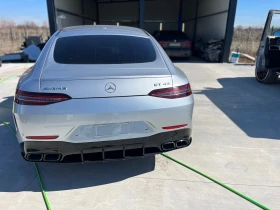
point(42, 188)
point(9, 77)
point(217, 182)
point(46, 200)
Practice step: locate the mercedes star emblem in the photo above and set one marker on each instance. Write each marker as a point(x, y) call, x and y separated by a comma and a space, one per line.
point(110, 87)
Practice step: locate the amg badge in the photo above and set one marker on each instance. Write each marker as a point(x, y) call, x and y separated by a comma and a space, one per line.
point(55, 88)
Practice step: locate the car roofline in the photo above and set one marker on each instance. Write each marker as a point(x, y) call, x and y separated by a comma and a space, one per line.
point(101, 30)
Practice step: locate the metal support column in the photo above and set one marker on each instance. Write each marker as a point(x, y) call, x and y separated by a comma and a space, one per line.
point(229, 29)
point(179, 28)
point(195, 25)
point(97, 12)
point(141, 13)
point(83, 11)
point(52, 16)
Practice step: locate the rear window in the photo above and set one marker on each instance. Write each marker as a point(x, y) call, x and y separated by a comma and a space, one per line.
point(172, 35)
point(103, 49)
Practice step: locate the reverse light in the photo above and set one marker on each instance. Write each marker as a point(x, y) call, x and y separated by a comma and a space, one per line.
point(31, 98)
point(172, 93)
point(42, 137)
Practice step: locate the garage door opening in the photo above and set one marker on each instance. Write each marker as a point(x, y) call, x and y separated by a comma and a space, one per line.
point(199, 19)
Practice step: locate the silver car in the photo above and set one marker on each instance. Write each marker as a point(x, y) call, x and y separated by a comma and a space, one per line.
point(101, 93)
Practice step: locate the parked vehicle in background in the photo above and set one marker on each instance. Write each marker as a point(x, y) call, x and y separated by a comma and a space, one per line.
point(175, 43)
point(268, 58)
point(101, 93)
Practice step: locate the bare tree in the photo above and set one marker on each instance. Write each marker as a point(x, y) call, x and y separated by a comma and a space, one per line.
point(246, 40)
point(12, 36)
point(45, 24)
point(4, 23)
point(28, 25)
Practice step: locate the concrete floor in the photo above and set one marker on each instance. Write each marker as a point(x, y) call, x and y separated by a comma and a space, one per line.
point(235, 140)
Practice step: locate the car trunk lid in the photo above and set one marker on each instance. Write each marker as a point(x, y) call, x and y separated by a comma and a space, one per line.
point(87, 81)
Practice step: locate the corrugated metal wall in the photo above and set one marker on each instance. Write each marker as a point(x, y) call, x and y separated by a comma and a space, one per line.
point(203, 19)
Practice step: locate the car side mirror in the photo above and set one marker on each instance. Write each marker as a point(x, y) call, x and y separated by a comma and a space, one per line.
point(276, 33)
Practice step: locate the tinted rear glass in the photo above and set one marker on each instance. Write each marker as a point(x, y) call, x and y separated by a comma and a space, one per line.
point(167, 35)
point(103, 49)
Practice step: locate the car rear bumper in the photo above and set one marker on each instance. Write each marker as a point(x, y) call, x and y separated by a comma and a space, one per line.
point(83, 121)
point(178, 52)
point(59, 151)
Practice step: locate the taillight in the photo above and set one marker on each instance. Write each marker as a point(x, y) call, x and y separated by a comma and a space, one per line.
point(172, 93)
point(30, 98)
point(187, 44)
point(163, 44)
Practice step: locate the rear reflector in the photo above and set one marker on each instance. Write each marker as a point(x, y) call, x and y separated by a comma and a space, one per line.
point(174, 127)
point(42, 137)
point(172, 93)
point(30, 98)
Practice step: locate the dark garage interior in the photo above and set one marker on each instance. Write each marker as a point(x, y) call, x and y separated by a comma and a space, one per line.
point(199, 19)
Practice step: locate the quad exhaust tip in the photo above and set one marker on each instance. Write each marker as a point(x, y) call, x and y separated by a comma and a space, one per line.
point(168, 146)
point(49, 157)
point(52, 157)
point(183, 143)
point(55, 157)
point(34, 157)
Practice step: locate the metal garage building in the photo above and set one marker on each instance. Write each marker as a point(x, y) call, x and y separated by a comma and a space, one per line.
point(203, 19)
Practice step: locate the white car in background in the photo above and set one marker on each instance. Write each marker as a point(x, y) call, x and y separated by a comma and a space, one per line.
point(101, 93)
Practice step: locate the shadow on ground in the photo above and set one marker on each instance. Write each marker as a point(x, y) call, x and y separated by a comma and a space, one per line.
point(252, 106)
point(15, 174)
point(18, 175)
point(7, 102)
point(76, 175)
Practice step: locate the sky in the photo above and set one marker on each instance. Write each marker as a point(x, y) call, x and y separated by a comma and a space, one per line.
point(249, 12)
point(254, 12)
point(23, 10)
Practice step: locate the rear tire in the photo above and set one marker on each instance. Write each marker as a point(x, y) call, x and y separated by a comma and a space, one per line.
point(266, 77)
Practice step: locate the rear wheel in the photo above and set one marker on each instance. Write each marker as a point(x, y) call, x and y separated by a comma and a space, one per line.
point(266, 76)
